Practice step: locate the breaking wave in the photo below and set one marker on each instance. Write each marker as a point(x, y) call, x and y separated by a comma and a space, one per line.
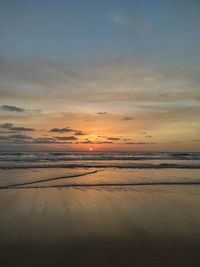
point(121, 165)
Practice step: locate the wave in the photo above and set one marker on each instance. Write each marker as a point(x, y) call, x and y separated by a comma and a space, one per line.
point(100, 156)
point(50, 159)
point(104, 165)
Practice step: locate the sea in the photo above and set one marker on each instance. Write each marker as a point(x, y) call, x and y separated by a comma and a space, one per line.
point(43, 169)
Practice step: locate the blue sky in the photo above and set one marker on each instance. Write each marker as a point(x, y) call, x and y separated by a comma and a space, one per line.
point(161, 30)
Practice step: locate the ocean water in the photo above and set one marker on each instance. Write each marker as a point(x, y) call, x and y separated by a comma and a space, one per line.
point(62, 169)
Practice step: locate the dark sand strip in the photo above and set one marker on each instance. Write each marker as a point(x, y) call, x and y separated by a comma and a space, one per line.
point(98, 185)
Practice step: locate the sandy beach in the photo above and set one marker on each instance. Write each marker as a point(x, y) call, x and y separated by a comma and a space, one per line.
point(100, 226)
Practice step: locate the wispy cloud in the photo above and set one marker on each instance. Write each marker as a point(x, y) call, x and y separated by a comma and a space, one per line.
point(131, 21)
point(140, 143)
point(124, 80)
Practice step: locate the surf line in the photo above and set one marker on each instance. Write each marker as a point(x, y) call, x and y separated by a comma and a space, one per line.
point(103, 166)
point(47, 180)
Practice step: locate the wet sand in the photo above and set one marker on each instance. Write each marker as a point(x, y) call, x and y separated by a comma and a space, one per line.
point(104, 226)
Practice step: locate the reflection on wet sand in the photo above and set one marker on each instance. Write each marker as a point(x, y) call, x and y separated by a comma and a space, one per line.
point(100, 227)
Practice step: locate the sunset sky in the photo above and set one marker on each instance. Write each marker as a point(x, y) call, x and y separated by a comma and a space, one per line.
point(111, 75)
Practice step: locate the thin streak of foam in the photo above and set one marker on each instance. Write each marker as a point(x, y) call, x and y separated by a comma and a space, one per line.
point(47, 180)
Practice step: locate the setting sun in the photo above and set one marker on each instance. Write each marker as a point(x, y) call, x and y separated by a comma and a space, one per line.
point(90, 149)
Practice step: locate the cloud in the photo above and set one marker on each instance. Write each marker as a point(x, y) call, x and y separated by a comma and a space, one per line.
point(80, 133)
point(26, 139)
point(104, 142)
point(67, 130)
point(114, 138)
point(22, 129)
point(6, 125)
point(66, 138)
point(11, 127)
point(127, 119)
point(121, 20)
point(54, 140)
point(85, 142)
point(94, 142)
point(102, 113)
point(142, 133)
point(131, 21)
point(44, 140)
point(4, 138)
point(21, 136)
point(16, 138)
point(61, 130)
point(12, 108)
point(140, 143)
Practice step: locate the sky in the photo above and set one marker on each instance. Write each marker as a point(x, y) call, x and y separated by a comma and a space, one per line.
point(111, 75)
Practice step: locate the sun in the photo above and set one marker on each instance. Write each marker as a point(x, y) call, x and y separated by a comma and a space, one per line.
point(90, 149)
